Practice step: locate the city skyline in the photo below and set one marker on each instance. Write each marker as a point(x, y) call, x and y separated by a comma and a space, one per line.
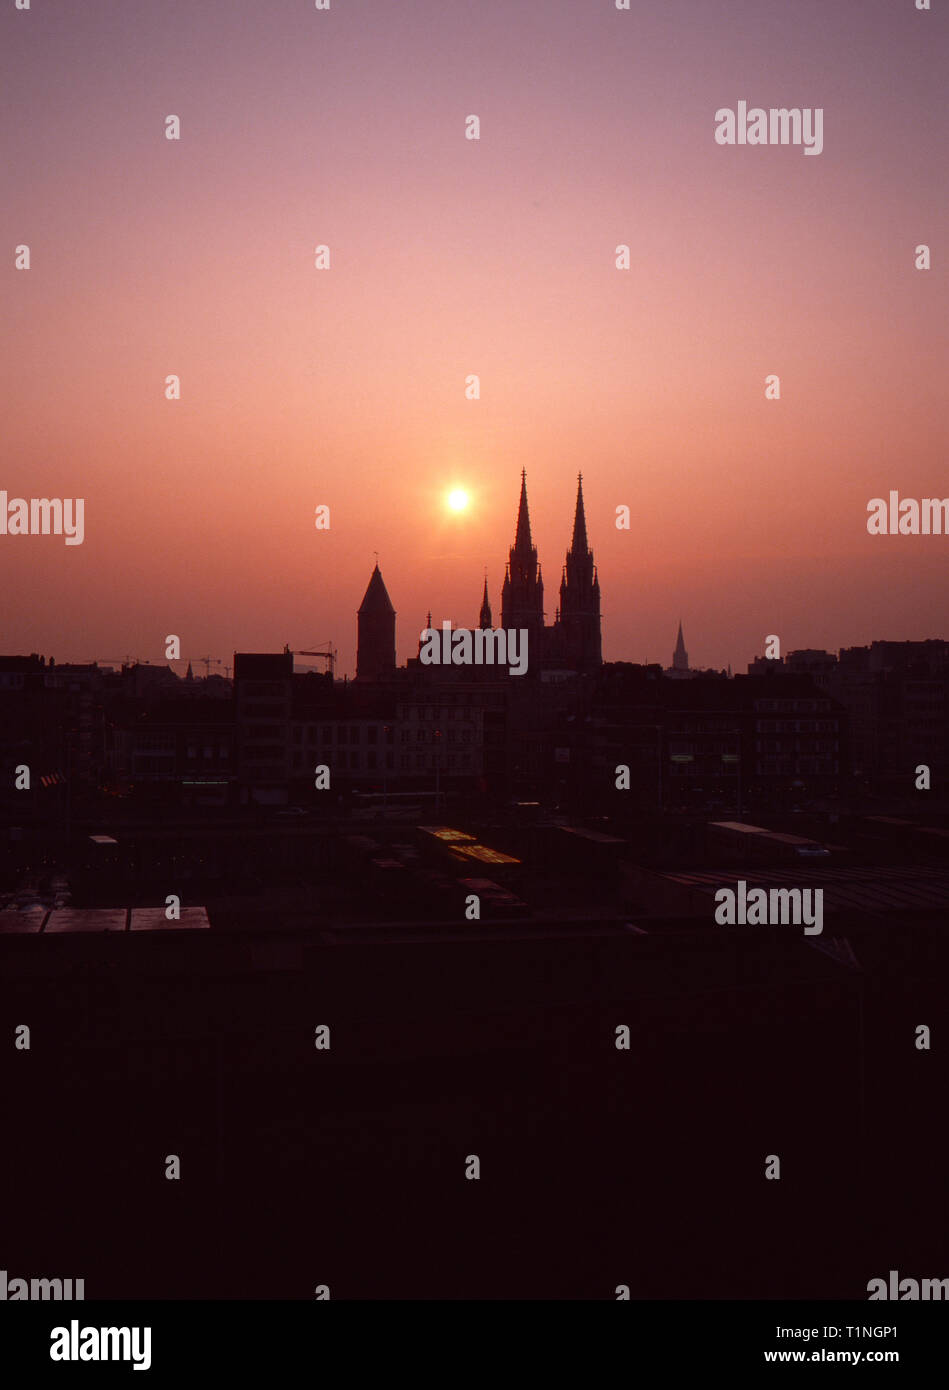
point(578, 562)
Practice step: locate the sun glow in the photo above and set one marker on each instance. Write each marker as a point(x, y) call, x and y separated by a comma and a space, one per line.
point(457, 499)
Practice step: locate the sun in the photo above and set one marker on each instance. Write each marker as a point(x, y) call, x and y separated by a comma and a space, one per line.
point(458, 499)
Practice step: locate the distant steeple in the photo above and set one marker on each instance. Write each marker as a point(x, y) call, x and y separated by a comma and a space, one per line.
point(680, 659)
point(484, 619)
point(189, 674)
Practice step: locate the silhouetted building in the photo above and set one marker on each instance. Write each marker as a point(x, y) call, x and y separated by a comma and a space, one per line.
point(897, 694)
point(522, 593)
point(177, 751)
point(704, 743)
point(579, 615)
point(262, 700)
point(573, 641)
point(375, 648)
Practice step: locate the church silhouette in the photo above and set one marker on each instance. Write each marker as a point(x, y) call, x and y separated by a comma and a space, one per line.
point(571, 643)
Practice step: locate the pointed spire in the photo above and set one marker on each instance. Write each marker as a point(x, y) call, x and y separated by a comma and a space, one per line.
point(485, 618)
point(522, 536)
point(579, 546)
point(376, 598)
point(680, 659)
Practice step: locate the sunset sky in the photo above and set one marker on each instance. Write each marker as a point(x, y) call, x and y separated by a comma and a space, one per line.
point(347, 387)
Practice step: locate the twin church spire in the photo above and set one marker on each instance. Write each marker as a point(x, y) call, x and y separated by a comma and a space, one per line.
point(573, 641)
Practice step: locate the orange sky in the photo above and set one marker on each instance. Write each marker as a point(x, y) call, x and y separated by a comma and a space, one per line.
point(451, 257)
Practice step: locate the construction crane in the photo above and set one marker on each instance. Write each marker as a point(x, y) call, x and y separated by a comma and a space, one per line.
point(329, 655)
point(209, 661)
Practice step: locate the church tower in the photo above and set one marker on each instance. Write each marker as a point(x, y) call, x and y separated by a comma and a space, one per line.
point(522, 596)
point(680, 657)
point(375, 645)
point(580, 598)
